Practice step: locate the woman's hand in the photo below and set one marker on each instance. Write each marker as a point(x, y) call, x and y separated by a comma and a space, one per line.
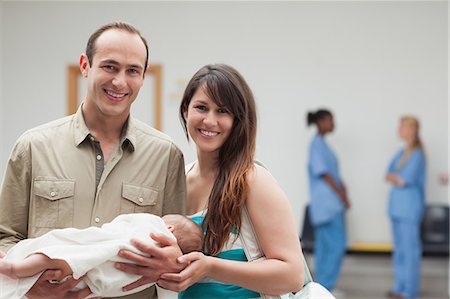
point(395, 179)
point(342, 192)
point(198, 268)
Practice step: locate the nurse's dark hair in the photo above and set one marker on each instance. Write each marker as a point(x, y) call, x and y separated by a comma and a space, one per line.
point(227, 88)
point(314, 117)
point(90, 46)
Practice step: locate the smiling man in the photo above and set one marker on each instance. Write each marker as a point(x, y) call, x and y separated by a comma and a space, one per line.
point(85, 169)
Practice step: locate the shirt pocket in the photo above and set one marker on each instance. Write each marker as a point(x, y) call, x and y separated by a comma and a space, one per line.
point(53, 203)
point(139, 199)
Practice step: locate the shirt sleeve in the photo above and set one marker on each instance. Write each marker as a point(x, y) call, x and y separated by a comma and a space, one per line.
point(14, 196)
point(392, 165)
point(317, 161)
point(413, 168)
point(175, 187)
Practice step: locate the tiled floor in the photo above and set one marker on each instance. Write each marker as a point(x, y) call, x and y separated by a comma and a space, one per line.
point(370, 277)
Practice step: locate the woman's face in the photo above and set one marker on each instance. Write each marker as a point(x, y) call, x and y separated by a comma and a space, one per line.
point(407, 131)
point(208, 124)
point(326, 124)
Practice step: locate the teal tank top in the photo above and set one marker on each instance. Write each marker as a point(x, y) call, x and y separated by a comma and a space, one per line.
point(208, 288)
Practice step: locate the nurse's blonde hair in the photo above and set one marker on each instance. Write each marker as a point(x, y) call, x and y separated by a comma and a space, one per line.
point(412, 122)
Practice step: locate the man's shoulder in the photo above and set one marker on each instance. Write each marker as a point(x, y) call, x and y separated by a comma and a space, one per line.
point(145, 133)
point(47, 130)
point(51, 125)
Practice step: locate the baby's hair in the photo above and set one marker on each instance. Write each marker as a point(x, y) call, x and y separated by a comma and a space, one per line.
point(189, 234)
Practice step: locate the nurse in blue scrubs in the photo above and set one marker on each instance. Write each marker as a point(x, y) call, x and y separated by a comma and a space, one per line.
point(328, 202)
point(406, 173)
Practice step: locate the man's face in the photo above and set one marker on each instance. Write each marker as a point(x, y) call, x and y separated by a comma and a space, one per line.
point(116, 74)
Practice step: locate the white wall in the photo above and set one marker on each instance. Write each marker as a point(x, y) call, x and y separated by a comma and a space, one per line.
point(2, 149)
point(369, 62)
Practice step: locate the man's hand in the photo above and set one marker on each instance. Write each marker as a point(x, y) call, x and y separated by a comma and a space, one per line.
point(43, 289)
point(162, 259)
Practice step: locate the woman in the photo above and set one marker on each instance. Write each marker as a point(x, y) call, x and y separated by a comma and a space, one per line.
point(406, 173)
point(218, 113)
point(328, 202)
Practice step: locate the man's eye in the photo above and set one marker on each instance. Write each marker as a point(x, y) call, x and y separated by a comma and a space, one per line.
point(109, 68)
point(134, 72)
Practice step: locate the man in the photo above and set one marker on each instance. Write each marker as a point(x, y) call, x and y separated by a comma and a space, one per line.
point(85, 169)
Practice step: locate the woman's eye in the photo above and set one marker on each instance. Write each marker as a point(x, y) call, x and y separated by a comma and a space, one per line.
point(223, 110)
point(200, 107)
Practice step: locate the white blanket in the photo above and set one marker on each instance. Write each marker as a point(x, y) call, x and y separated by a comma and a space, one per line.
point(92, 250)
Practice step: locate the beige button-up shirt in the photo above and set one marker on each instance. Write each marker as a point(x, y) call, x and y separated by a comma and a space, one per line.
point(55, 178)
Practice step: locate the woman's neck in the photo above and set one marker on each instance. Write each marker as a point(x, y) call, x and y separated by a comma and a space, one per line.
point(207, 164)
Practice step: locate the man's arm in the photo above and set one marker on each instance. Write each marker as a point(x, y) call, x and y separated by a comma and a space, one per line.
point(44, 289)
point(175, 186)
point(15, 196)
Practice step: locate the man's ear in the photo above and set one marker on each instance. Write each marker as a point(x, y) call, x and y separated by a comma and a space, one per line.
point(84, 65)
point(171, 228)
point(145, 71)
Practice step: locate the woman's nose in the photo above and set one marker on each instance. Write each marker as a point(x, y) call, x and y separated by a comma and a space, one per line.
point(210, 119)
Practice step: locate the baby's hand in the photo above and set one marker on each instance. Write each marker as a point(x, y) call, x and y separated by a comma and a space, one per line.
point(6, 268)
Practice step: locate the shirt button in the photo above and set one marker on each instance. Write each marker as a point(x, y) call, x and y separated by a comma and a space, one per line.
point(53, 194)
point(141, 200)
point(97, 220)
point(99, 157)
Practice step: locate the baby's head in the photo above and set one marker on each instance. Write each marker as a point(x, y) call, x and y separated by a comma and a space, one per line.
point(189, 235)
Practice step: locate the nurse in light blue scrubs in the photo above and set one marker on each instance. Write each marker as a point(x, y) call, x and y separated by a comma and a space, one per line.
point(406, 173)
point(328, 202)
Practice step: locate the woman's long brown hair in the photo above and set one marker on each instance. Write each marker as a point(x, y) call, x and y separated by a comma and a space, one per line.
point(227, 88)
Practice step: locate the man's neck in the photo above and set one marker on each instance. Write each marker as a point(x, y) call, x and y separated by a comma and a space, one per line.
point(104, 127)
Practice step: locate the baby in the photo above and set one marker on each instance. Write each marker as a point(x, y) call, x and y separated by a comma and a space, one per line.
point(92, 251)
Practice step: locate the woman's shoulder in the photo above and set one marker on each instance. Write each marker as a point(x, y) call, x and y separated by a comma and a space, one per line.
point(418, 154)
point(260, 178)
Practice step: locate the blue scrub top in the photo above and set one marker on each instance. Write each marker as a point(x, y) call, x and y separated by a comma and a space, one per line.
point(325, 203)
point(408, 202)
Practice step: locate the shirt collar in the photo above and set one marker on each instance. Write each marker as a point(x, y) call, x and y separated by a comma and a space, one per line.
point(128, 138)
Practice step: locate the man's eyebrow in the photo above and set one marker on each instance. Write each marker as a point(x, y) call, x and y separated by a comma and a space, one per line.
point(110, 61)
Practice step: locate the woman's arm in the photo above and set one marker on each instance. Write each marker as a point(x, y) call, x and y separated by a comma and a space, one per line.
point(340, 190)
point(274, 225)
point(395, 179)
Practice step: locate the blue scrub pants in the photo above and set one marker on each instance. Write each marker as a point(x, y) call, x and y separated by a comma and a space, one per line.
point(406, 257)
point(329, 250)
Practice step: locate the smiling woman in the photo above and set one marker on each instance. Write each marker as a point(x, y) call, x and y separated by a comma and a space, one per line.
point(74, 86)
